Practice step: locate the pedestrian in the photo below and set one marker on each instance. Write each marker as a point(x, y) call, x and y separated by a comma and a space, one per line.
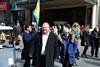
point(86, 39)
point(27, 37)
point(76, 29)
point(46, 47)
point(95, 34)
point(17, 34)
point(64, 37)
point(70, 50)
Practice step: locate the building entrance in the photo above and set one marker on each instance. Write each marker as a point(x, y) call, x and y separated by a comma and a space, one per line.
point(70, 15)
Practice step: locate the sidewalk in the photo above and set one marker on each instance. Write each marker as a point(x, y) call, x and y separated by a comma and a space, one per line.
point(83, 62)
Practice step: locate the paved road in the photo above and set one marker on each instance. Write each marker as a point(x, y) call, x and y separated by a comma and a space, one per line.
point(90, 61)
point(83, 62)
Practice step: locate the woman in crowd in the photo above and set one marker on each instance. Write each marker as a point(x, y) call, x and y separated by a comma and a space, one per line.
point(76, 29)
point(69, 49)
point(86, 42)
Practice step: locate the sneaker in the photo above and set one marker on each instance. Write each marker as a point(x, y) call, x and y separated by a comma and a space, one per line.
point(17, 48)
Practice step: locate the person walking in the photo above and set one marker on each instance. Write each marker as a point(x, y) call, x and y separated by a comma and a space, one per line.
point(76, 29)
point(27, 37)
point(95, 34)
point(70, 51)
point(46, 47)
point(86, 39)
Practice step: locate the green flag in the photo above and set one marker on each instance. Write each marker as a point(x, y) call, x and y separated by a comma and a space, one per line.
point(36, 12)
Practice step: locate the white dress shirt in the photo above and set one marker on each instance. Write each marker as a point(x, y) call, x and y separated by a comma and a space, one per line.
point(44, 42)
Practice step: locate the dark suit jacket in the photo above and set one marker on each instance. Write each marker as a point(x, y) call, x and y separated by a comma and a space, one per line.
point(27, 37)
point(51, 49)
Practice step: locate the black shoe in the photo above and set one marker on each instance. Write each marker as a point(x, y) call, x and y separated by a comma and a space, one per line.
point(78, 57)
point(96, 56)
point(84, 56)
point(91, 56)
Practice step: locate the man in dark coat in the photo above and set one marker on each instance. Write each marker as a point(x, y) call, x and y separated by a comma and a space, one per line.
point(27, 37)
point(95, 34)
point(46, 47)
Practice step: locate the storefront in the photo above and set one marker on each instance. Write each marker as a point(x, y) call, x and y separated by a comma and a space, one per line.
point(3, 10)
point(64, 10)
point(17, 14)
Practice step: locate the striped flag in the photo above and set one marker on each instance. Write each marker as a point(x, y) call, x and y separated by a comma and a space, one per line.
point(36, 12)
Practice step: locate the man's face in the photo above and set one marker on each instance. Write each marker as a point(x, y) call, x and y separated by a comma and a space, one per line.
point(45, 28)
point(30, 28)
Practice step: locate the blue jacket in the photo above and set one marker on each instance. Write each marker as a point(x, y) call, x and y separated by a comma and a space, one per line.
point(70, 51)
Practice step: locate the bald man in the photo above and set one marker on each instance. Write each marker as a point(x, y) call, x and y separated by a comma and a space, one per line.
point(46, 47)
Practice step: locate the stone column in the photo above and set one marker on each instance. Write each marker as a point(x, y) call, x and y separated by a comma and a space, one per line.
point(99, 12)
point(96, 14)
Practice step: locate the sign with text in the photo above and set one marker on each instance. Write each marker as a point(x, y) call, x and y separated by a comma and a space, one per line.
point(3, 6)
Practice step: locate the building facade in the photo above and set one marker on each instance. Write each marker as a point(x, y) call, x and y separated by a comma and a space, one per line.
point(86, 12)
point(17, 13)
point(5, 11)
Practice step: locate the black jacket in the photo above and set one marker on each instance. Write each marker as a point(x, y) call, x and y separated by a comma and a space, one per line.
point(27, 38)
point(51, 49)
